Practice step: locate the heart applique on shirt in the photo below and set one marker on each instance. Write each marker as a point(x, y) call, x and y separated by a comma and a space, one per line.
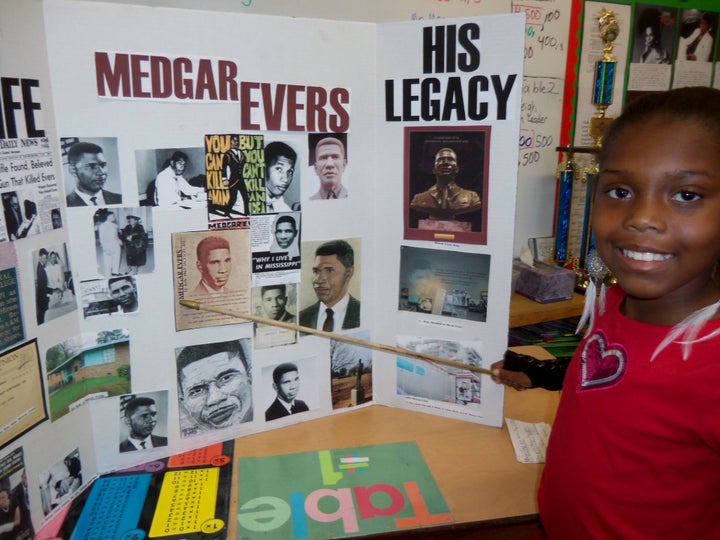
point(602, 364)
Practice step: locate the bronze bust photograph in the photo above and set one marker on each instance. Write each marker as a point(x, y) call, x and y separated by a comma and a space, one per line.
point(446, 177)
point(446, 199)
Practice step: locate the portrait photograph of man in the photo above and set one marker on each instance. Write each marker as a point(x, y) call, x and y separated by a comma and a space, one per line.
point(291, 391)
point(329, 160)
point(286, 235)
point(123, 291)
point(214, 262)
point(143, 421)
point(274, 301)
point(277, 303)
point(91, 169)
point(282, 177)
point(276, 248)
point(214, 386)
point(446, 177)
point(330, 297)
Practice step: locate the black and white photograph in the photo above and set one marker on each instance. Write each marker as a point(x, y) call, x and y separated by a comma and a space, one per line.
point(29, 182)
point(92, 171)
point(282, 176)
point(124, 241)
point(654, 38)
point(54, 286)
point(171, 178)
point(143, 421)
point(21, 215)
point(59, 482)
point(291, 388)
point(113, 296)
point(275, 240)
point(276, 302)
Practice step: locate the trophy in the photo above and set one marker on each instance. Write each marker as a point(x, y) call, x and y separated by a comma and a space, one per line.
point(575, 177)
point(605, 69)
point(565, 179)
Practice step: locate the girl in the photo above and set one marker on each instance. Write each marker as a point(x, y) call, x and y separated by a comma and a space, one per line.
point(635, 447)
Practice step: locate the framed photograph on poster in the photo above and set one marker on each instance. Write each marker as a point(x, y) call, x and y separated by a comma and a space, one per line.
point(23, 395)
point(446, 183)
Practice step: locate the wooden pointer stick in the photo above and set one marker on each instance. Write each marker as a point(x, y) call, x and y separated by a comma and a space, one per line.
point(338, 337)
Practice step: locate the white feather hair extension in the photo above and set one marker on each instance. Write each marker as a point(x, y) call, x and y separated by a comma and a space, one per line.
point(686, 331)
point(597, 272)
point(588, 314)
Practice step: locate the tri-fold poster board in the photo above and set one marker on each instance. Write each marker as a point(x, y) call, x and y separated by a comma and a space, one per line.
point(268, 165)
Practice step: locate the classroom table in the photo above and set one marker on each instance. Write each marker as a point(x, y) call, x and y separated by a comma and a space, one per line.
point(524, 311)
point(474, 465)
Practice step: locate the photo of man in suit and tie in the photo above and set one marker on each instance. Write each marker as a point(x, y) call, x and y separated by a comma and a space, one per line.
point(273, 300)
point(286, 383)
point(233, 179)
point(140, 416)
point(333, 268)
point(90, 170)
point(278, 303)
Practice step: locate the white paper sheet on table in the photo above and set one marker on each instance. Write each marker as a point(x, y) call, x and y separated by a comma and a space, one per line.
point(528, 439)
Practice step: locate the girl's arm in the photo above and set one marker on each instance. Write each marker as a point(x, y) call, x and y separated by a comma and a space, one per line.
point(521, 372)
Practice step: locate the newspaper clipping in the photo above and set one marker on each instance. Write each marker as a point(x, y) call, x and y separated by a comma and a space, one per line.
point(275, 244)
point(29, 188)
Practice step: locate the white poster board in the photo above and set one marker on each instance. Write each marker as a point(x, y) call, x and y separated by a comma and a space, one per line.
point(156, 93)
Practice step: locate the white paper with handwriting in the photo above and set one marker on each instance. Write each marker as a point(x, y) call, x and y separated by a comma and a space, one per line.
point(529, 440)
